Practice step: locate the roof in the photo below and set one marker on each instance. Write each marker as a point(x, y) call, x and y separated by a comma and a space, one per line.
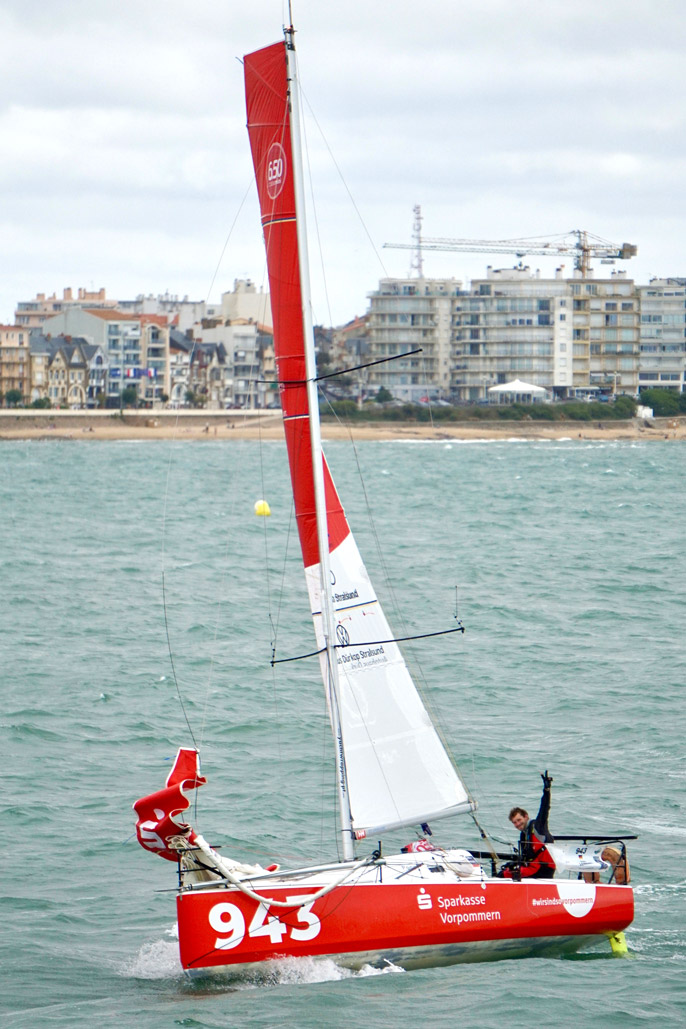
point(517, 386)
point(112, 315)
point(153, 319)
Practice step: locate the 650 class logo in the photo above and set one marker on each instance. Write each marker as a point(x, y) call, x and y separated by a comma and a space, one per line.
point(276, 170)
point(229, 921)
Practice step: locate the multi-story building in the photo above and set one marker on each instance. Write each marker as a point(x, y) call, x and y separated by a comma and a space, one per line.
point(32, 314)
point(181, 313)
point(76, 374)
point(245, 302)
point(570, 336)
point(606, 326)
point(511, 325)
point(412, 315)
point(136, 348)
point(14, 361)
point(662, 358)
point(40, 354)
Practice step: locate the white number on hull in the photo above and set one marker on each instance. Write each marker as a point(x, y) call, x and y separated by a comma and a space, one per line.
point(263, 926)
point(228, 919)
point(307, 915)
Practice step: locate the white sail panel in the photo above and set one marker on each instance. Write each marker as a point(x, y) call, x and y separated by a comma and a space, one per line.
point(398, 771)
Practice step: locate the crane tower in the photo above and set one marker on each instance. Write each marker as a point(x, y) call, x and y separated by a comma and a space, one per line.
point(578, 243)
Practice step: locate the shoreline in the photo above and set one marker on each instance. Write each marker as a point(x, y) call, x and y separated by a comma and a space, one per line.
point(206, 426)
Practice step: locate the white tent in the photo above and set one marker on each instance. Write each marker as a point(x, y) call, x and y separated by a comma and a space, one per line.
point(517, 392)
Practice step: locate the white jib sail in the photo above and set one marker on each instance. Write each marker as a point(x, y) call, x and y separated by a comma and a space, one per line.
point(397, 767)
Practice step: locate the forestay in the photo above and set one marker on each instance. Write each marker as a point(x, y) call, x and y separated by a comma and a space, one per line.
point(396, 769)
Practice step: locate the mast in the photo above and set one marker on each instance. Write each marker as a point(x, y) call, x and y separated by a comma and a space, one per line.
point(328, 618)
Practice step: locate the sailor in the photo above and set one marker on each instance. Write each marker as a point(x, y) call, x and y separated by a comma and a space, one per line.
point(534, 860)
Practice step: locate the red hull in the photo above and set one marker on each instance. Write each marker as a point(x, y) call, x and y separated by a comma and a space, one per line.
point(224, 927)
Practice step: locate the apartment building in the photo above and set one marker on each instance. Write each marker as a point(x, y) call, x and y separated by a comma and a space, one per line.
point(32, 314)
point(412, 315)
point(662, 343)
point(511, 325)
point(136, 348)
point(571, 336)
point(14, 361)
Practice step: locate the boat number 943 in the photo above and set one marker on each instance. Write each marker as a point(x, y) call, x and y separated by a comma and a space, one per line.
point(229, 921)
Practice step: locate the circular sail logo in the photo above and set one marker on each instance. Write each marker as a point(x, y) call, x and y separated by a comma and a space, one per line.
point(342, 635)
point(276, 170)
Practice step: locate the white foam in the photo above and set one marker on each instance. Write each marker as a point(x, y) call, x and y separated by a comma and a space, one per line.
point(158, 960)
point(293, 970)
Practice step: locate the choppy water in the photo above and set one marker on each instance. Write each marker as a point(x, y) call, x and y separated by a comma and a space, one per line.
point(570, 562)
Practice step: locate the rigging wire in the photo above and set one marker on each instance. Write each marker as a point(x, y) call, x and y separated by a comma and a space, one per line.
point(173, 666)
point(346, 187)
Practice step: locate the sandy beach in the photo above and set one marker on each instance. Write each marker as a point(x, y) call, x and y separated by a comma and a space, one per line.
point(208, 426)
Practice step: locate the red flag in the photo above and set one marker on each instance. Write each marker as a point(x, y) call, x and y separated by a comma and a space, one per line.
point(157, 814)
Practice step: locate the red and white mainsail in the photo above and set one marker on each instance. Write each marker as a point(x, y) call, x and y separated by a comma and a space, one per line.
point(393, 766)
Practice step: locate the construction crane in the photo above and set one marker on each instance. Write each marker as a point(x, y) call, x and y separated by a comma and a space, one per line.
point(578, 243)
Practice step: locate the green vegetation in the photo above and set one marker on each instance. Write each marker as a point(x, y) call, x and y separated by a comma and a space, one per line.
point(621, 408)
point(13, 397)
point(129, 397)
point(41, 402)
point(664, 402)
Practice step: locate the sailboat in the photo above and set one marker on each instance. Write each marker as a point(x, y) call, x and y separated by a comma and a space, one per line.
point(423, 906)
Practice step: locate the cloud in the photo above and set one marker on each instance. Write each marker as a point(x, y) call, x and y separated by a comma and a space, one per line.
point(126, 158)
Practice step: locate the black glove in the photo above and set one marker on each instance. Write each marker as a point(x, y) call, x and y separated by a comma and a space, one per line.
point(547, 780)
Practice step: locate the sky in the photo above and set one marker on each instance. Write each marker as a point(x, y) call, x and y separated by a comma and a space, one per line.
point(126, 163)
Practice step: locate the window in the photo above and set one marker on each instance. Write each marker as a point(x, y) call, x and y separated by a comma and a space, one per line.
point(563, 317)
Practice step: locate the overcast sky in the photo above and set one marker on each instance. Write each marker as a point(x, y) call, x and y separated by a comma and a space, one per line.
point(126, 163)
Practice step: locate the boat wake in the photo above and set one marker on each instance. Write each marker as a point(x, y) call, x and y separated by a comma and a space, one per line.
point(302, 970)
point(158, 960)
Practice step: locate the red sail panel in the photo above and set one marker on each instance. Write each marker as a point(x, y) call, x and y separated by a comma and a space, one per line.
point(158, 814)
point(267, 102)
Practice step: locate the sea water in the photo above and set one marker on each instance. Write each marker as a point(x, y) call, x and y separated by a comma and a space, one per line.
point(142, 601)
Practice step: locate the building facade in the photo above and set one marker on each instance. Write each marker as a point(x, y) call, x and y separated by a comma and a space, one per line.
point(135, 347)
point(412, 315)
point(32, 314)
point(15, 373)
point(76, 375)
point(571, 336)
point(662, 358)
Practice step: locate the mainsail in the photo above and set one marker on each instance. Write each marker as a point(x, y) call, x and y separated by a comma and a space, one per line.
point(397, 771)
